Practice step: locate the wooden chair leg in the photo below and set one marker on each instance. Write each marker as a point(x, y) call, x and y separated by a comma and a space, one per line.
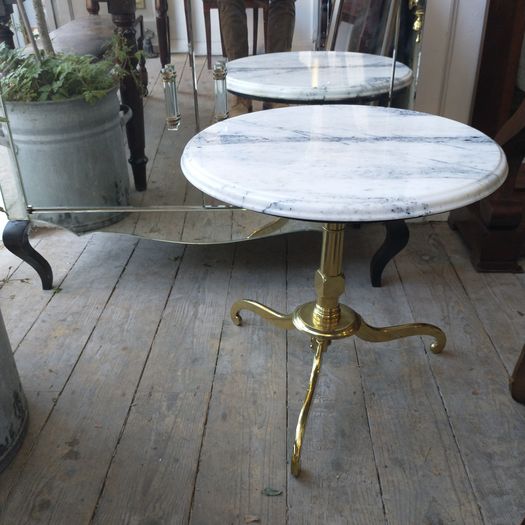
point(161, 7)
point(255, 28)
point(207, 26)
point(517, 380)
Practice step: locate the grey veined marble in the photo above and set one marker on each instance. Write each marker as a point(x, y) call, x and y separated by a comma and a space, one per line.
point(320, 76)
point(344, 163)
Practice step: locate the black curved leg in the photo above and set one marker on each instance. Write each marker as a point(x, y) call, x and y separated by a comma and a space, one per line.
point(396, 239)
point(16, 240)
point(517, 381)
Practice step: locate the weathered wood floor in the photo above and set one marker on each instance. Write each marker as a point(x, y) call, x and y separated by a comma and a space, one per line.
point(148, 406)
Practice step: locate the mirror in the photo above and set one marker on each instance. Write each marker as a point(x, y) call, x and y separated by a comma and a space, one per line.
point(171, 209)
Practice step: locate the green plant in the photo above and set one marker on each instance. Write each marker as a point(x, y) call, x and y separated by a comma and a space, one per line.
point(58, 77)
point(24, 78)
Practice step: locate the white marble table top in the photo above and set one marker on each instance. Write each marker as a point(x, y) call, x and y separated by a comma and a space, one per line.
point(315, 76)
point(344, 163)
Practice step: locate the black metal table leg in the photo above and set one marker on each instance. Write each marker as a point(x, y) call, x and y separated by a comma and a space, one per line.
point(517, 381)
point(396, 239)
point(16, 240)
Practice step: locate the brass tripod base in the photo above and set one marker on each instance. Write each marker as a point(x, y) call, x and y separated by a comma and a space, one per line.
point(326, 319)
point(350, 323)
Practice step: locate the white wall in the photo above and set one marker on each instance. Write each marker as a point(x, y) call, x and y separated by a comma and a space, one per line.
point(451, 48)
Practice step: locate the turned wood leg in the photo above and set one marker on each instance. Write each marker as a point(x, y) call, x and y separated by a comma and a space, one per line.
point(16, 240)
point(130, 92)
point(161, 7)
point(517, 380)
point(396, 239)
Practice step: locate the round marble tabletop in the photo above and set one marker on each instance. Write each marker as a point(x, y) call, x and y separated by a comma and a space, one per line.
point(315, 76)
point(344, 163)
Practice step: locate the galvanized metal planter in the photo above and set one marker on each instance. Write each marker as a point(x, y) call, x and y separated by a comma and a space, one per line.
point(71, 153)
point(13, 406)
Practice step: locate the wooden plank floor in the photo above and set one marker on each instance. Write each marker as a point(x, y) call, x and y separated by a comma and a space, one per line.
point(149, 407)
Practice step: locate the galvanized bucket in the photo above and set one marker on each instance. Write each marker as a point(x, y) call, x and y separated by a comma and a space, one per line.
point(13, 406)
point(71, 153)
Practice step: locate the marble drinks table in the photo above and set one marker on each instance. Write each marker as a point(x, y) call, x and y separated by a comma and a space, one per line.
point(316, 77)
point(336, 164)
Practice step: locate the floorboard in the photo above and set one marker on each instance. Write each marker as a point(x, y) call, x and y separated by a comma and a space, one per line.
point(62, 481)
point(244, 447)
point(152, 475)
point(488, 425)
point(489, 293)
point(414, 446)
point(61, 249)
point(48, 353)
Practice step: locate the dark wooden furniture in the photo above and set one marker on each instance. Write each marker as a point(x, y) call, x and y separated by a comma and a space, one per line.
point(493, 229)
point(207, 5)
point(517, 380)
point(163, 31)
point(6, 35)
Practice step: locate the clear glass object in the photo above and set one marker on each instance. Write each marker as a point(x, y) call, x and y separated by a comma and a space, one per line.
point(221, 94)
point(169, 80)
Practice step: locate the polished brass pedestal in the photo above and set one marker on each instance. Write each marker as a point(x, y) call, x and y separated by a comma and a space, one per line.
point(326, 319)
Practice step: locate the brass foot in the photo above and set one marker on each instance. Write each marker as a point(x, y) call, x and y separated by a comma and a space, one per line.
point(320, 345)
point(272, 316)
point(389, 333)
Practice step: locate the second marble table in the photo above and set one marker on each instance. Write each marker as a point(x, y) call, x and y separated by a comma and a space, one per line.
point(316, 77)
point(338, 164)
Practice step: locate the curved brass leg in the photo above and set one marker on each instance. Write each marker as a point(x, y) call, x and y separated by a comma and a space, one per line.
point(320, 347)
point(389, 333)
point(272, 316)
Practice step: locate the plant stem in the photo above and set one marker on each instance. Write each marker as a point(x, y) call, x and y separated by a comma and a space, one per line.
point(42, 28)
